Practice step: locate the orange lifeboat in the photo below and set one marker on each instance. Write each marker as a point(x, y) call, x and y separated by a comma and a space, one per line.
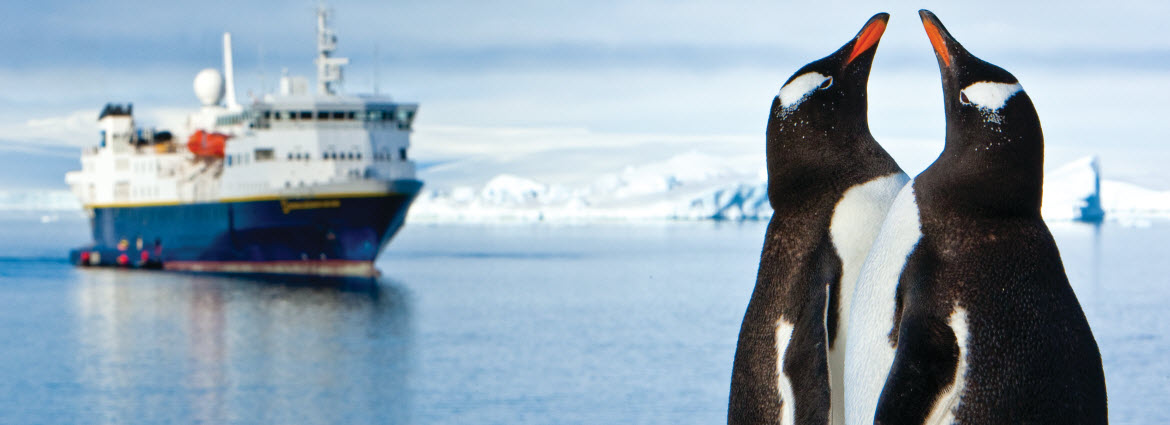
point(202, 143)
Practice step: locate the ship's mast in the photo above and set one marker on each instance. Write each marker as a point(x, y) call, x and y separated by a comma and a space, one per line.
point(328, 67)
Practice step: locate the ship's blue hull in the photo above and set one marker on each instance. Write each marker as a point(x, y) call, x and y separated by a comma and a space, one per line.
point(340, 234)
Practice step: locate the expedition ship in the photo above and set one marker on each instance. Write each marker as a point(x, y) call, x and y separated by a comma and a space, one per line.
point(296, 182)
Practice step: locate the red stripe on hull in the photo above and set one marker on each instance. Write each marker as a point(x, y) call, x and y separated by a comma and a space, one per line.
point(307, 267)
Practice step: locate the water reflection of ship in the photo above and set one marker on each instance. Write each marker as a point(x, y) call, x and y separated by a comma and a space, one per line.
point(234, 349)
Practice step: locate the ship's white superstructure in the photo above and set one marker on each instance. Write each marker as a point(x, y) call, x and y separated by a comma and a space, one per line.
point(289, 144)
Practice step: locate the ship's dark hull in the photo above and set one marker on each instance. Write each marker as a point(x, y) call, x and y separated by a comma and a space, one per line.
point(329, 235)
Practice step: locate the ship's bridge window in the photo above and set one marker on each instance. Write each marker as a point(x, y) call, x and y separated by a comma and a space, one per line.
point(378, 115)
point(265, 154)
point(306, 115)
point(405, 117)
point(402, 153)
point(322, 115)
point(349, 115)
point(338, 115)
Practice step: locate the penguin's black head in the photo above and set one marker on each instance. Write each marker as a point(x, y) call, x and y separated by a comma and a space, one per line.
point(993, 131)
point(819, 117)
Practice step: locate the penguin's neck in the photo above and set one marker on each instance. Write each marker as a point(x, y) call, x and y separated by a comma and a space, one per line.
point(803, 171)
point(984, 179)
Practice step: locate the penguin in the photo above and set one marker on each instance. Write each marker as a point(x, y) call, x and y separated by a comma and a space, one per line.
point(987, 329)
point(829, 185)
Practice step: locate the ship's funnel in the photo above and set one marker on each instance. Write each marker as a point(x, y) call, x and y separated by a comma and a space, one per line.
point(229, 75)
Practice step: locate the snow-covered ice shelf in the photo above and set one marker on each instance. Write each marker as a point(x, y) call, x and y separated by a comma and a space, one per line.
point(699, 186)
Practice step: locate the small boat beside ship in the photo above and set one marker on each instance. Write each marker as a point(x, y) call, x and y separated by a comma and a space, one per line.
point(297, 182)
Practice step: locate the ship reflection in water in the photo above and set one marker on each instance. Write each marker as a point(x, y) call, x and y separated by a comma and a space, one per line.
point(154, 347)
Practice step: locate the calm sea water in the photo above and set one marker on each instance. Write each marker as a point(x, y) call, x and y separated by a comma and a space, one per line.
point(512, 324)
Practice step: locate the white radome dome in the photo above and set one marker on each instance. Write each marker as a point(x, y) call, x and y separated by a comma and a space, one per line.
point(209, 86)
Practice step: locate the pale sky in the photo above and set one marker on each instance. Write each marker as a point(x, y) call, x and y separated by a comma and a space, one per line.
point(1095, 71)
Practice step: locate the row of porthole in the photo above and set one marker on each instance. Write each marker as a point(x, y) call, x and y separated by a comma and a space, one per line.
point(341, 155)
point(326, 155)
point(299, 156)
point(373, 115)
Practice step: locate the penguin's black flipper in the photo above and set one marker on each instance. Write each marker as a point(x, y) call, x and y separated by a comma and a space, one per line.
point(923, 372)
point(799, 347)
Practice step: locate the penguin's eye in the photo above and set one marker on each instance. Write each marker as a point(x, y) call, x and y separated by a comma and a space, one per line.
point(963, 98)
point(828, 82)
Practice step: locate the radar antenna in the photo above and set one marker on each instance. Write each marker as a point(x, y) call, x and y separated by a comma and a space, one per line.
point(328, 68)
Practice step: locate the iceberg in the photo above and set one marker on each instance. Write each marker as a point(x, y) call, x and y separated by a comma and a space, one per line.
point(1073, 192)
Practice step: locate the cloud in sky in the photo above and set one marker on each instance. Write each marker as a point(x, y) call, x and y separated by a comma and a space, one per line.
point(606, 66)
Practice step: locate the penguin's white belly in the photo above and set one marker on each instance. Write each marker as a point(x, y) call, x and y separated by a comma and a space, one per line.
point(868, 354)
point(856, 220)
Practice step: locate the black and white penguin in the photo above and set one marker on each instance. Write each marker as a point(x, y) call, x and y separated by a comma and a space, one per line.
point(986, 327)
point(829, 184)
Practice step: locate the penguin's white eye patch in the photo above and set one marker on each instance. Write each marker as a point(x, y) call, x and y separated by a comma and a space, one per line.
point(799, 88)
point(988, 95)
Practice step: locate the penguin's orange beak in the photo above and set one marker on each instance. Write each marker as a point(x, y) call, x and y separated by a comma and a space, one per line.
point(869, 35)
point(940, 39)
point(937, 41)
